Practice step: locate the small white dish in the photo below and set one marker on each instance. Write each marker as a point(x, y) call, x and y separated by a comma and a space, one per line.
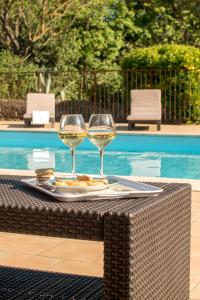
point(84, 189)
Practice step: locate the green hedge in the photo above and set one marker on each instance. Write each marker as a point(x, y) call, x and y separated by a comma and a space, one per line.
point(163, 56)
point(176, 71)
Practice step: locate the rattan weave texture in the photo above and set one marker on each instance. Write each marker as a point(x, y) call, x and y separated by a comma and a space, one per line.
point(147, 252)
point(146, 240)
point(23, 284)
point(26, 210)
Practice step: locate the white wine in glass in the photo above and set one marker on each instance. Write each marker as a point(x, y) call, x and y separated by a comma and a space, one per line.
point(101, 132)
point(72, 132)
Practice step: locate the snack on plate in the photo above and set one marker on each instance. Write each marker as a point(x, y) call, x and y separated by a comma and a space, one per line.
point(103, 180)
point(69, 182)
point(43, 175)
point(60, 182)
point(81, 180)
point(84, 177)
point(95, 183)
point(77, 183)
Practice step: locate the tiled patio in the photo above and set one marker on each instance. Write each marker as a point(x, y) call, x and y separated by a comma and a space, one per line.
point(151, 129)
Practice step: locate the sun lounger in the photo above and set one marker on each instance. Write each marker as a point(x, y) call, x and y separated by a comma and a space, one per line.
point(41, 108)
point(145, 107)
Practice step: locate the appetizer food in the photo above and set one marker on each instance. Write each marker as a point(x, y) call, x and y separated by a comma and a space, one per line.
point(81, 180)
point(84, 177)
point(43, 175)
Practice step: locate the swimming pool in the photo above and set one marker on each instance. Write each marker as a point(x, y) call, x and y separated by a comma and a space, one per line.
point(139, 155)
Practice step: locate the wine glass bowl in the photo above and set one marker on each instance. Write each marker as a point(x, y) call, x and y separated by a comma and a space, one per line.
point(72, 132)
point(101, 132)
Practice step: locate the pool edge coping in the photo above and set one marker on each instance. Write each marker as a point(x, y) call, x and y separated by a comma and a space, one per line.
point(121, 132)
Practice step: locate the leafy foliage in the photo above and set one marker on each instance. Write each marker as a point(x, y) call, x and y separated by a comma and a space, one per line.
point(163, 56)
point(88, 34)
point(11, 62)
point(13, 76)
point(82, 35)
point(172, 21)
point(27, 27)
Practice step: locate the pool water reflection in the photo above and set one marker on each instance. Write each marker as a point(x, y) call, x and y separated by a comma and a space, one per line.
point(156, 164)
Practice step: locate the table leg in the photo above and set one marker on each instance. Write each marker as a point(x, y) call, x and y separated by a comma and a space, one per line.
point(147, 250)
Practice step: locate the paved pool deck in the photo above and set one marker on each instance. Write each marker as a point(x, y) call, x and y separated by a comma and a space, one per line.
point(121, 128)
point(84, 257)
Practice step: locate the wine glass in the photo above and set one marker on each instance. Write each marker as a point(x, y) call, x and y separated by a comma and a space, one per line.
point(72, 132)
point(101, 132)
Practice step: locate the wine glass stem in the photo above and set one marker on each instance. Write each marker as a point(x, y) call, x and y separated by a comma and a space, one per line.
point(73, 161)
point(101, 152)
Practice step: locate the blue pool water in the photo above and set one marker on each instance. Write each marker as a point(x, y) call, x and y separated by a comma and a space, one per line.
point(140, 155)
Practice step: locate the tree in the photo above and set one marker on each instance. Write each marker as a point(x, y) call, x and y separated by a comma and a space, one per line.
point(93, 33)
point(167, 21)
point(100, 34)
point(26, 25)
point(95, 39)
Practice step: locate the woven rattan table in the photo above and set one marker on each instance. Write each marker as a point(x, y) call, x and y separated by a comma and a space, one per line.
point(146, 242)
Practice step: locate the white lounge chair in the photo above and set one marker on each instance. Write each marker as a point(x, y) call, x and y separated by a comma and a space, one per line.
point(39, 102)
point(145, 107)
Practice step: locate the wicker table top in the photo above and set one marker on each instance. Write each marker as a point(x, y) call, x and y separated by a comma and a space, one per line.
point(15, 194)
point(38, 213)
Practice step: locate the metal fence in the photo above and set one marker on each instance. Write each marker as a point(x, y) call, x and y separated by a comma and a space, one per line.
point(104, 92)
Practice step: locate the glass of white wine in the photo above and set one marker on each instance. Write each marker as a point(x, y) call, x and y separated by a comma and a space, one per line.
point(72, 132)
point(101, 132)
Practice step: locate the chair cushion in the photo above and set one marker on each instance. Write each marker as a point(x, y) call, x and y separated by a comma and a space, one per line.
point(40, 101)
point(27, 116)
point(145, 105)
point(143, 117)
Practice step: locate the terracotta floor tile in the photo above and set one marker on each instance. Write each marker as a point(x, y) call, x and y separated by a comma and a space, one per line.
point(77, 250)
point(195, 205)
point(197, 220)
point(2, 233)
point(77, 267)
point(195, 244)
point(196, 196)
point(195, 263)
point(195, 293)
point(26, 261)
point(26, 244)
point(194, 280)
point(195, 229)
point(195, 217)
point(196, 199)
point(195, 209)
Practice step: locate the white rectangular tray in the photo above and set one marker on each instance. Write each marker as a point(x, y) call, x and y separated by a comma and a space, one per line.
point(124, 188)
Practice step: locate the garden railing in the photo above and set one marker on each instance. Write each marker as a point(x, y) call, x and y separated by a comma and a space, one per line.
point(107, 91)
